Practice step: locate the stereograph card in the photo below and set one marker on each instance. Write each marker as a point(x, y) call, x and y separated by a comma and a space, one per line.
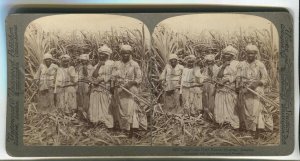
point(141, 84)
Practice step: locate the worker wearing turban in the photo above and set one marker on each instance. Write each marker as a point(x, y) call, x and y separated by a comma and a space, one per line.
point(66, 80)
point(101, 97)
point(210, 70)
point(253, 76)
point(128, 75)
point(170, 79)
point(84, 71)
point(226, 97)
point(191, 87)
point(45, 78)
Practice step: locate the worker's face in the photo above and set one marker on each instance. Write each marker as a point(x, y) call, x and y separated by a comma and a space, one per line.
point(227, 56)
point(84, 62)
point(81, 51)
point(125, 56)
point(180, 55)
point(173, 63)
point(65, 63)
point(103, 57)
point(251, 56)
point(219, 63)
point(94, 61)
point(190, 63)
point(47, 62)
point(209, 62)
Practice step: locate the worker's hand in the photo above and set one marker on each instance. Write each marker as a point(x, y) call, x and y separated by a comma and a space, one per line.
point(224, 81)
point(243, 90)
point(227, 63)
point(129, 84)
point(254, 84)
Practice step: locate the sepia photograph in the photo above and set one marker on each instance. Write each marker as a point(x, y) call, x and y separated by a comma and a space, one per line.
point(197, 80)
point(180, 83)
point(216, 81)
point(86, 81)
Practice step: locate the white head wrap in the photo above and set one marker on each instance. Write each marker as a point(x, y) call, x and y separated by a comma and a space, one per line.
point(251, 47)
point(47, 56)
point(105, 49)
point(230, 50)
point(209, 57)
point(84, 57)
point(126, 48)
point(173, 56)
point(190, 57)
point(65, 56)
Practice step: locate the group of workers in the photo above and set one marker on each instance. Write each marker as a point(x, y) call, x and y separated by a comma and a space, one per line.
point(228, 93)
point(101, 91)
point(104, 91)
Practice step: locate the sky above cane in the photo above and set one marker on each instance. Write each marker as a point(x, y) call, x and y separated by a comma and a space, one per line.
point(67, 23)
point(194, 24)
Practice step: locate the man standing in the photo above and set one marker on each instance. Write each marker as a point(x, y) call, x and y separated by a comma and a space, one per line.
point(45, 77)
point(83, 91)
point(191, 87)
point(170, 78)
point(129, 76)
point(65, 83)
point(254, 77)
point(210, 71)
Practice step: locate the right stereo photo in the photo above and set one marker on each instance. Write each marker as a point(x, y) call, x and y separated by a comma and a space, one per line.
point(215, 80)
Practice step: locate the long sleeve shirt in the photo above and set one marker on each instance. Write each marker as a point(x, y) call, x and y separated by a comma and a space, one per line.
point(191, 77)
point(231, 71)
point(46, 76)
point(171, 76)
point(129, 71)
point(104, 76)
point(211, 71)
point(81, 76)
point(66, 77)
point(255, 71)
